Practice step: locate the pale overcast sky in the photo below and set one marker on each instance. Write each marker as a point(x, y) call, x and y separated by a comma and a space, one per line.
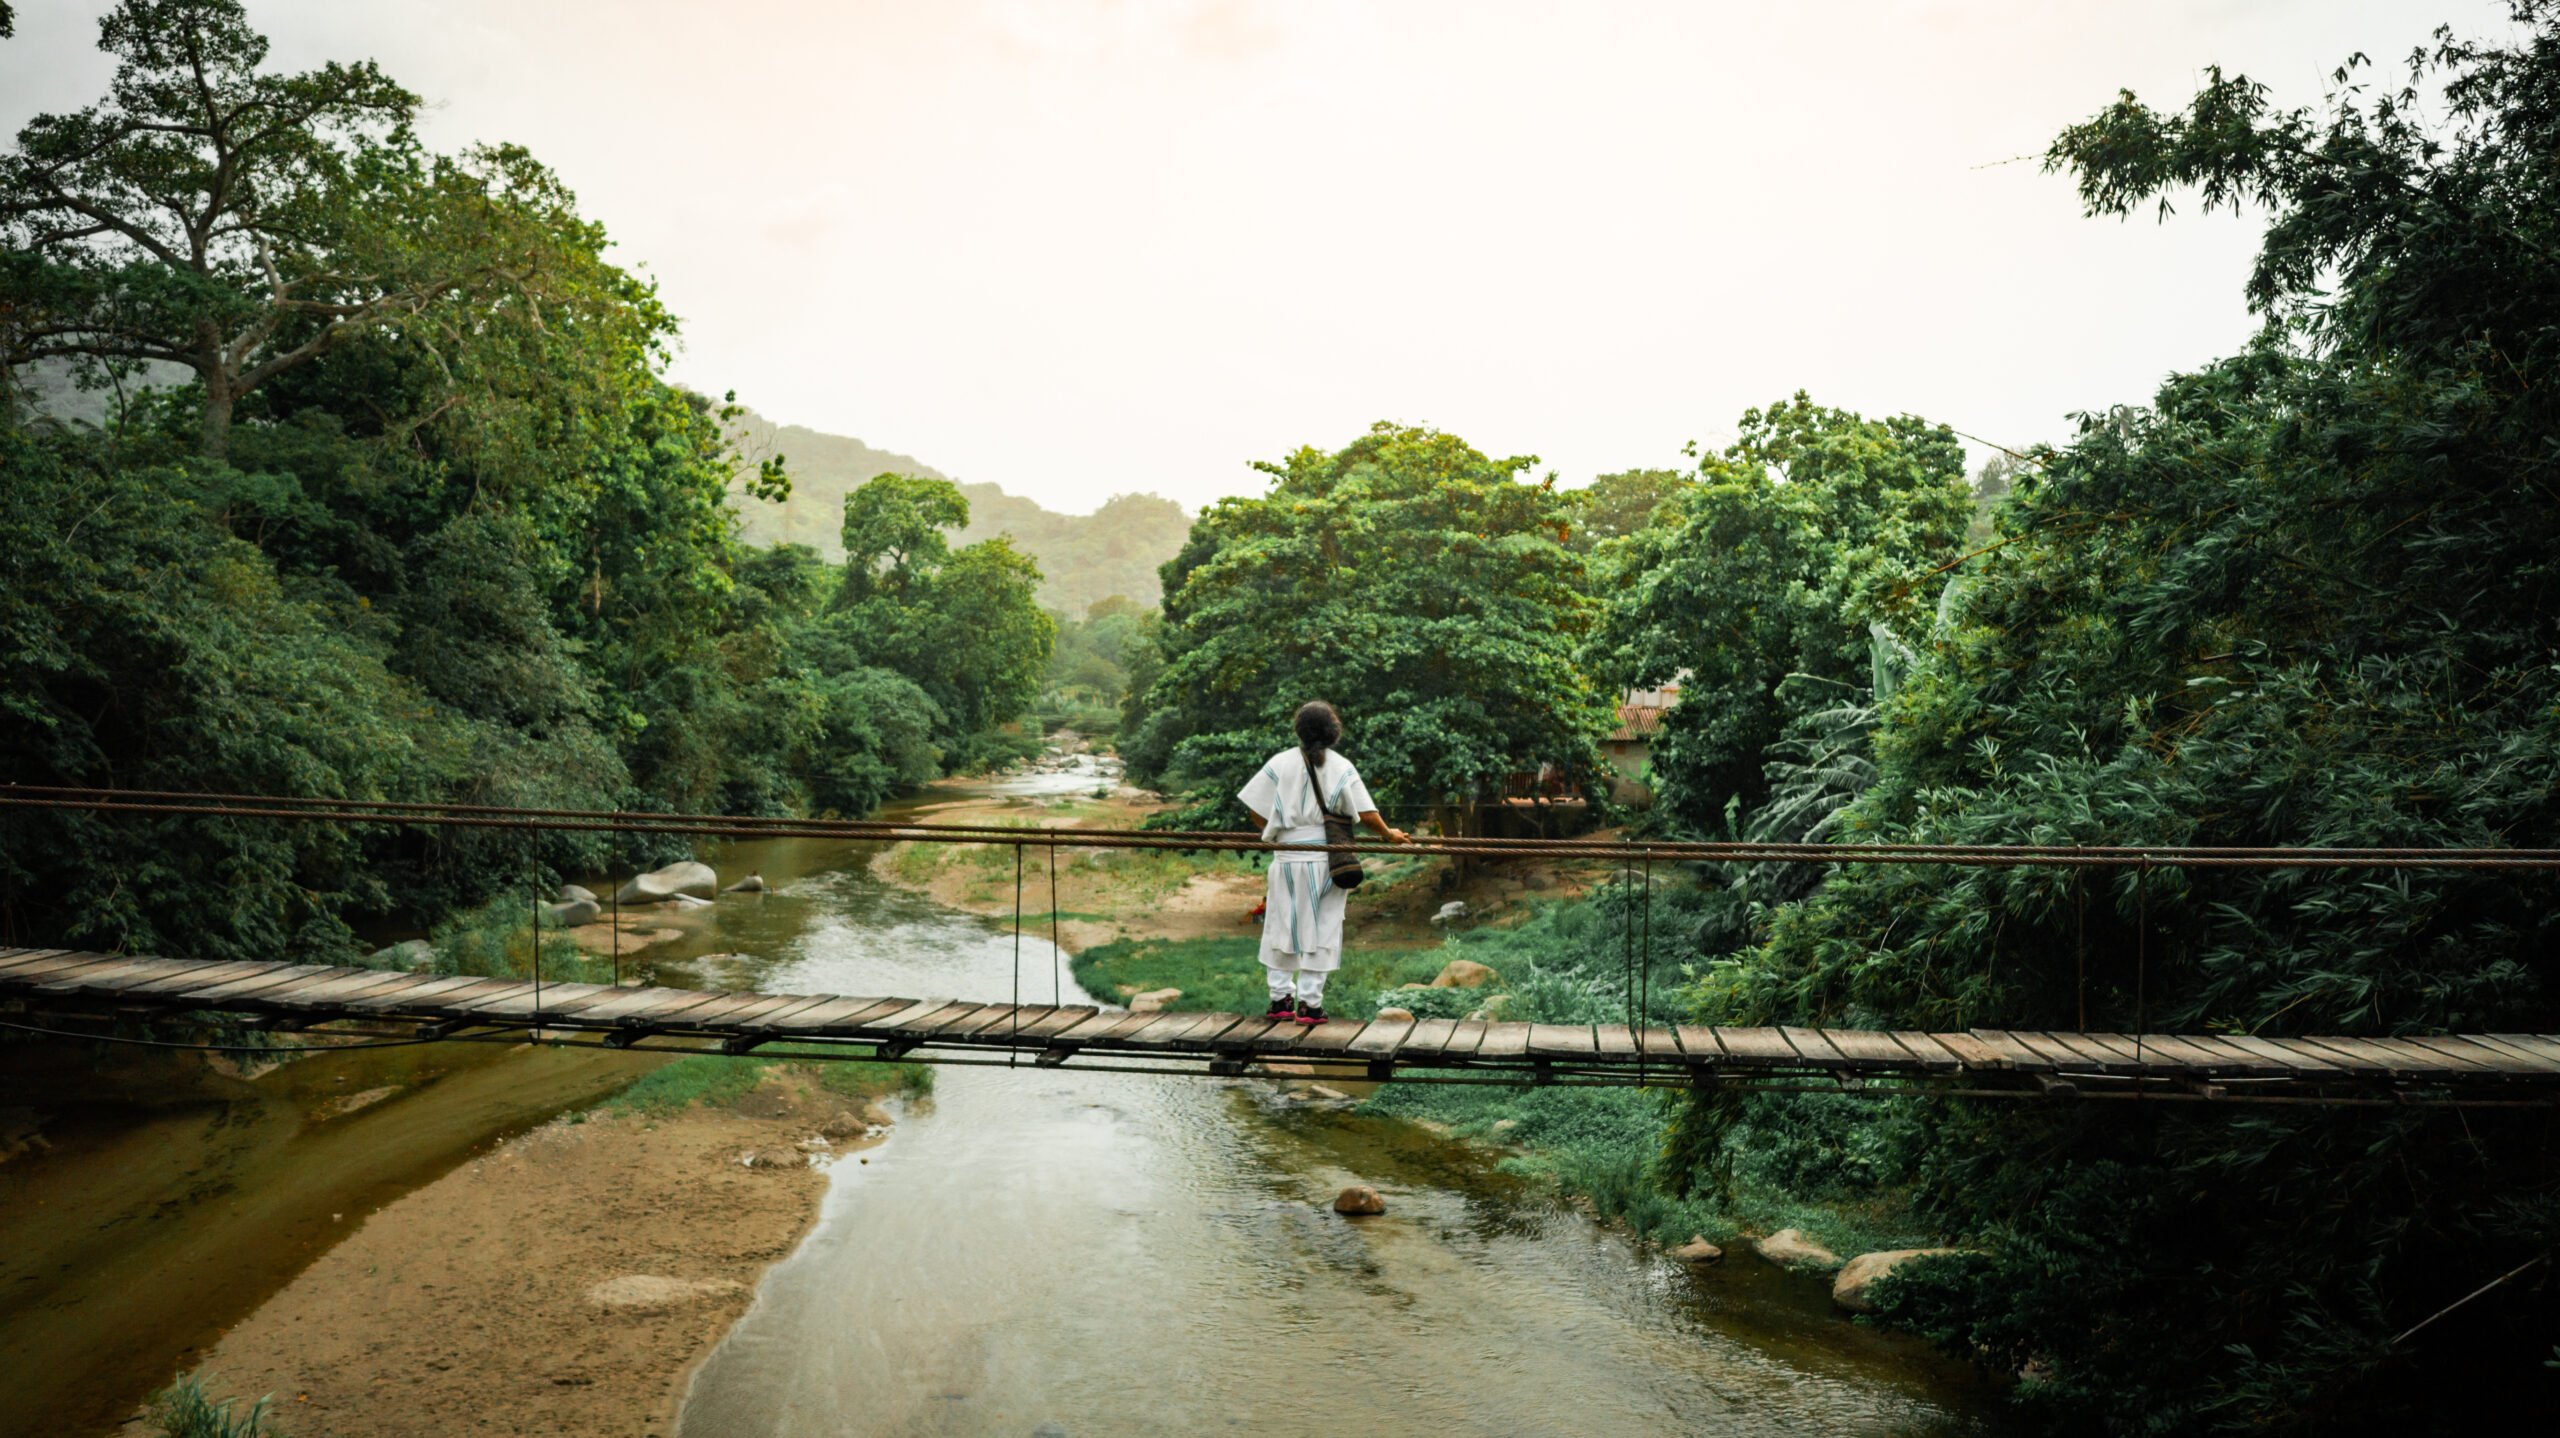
point(1079, 247)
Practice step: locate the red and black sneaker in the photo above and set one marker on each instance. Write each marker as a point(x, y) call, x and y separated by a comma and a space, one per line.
point(1311, 1013)
point(1283, 1009)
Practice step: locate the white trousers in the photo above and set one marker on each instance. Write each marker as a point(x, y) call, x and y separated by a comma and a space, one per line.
point(1307, 984)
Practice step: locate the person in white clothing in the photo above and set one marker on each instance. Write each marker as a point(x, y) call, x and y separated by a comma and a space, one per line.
point(1302, 909)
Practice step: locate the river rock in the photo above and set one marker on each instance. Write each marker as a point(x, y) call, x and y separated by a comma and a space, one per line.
point(577, 893)
point(1464, 974)
point(1697, 1250)
point(1359, 1201)
point(1327, 1092)
point(1852, 1290)
point(1152, 1001)
point(688, 879)
point(407, 954)
point(576, 913)
point(1450, 912)
point(1794, 1250)
point(751, 884)
point(1394, 1016)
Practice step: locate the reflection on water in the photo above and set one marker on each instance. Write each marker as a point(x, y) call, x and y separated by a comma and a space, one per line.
point(1045, 1252)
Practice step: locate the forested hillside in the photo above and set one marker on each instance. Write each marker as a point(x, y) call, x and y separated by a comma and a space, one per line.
point(1082, 557)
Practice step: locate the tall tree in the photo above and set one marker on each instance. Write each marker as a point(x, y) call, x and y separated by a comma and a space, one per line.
point(1813, 525)
point(1420, 586)
point(212, 214)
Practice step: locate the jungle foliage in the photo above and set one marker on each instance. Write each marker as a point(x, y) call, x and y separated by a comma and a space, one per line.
point(2307, 596)
point(428, 541)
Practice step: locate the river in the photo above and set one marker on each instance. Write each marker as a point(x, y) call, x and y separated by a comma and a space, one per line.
point(1031, 1251)
point(1060, 1253)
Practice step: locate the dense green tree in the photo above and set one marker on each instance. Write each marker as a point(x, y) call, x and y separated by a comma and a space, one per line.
point(2310, 596)
point(964, 625)
point(242, 223)
point(1814, 525)
point(1617, 505)
point(1421, 587)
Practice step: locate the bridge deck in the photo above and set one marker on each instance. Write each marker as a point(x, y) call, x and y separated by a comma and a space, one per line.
point(2467, 1068)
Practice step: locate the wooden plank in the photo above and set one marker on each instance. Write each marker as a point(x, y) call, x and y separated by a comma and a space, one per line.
point(1381, 1040)
point(1093, 1027)
point(2068, 1055)
point(2237, 1058)
point(1424, 1043)
point(32, 962)
point(197, 978)
point(1658, 1041)
point(2545, 1044)
point(2416, 1062)
point(1701, 1044)
point(1927, 1051)
point(2454, 1047)
point(448, 1002)
point(994, 1022)
point(1153, 1035)
point(1249, 1033)
point(1057, 1021)
point(1503, 1041)
point(2168, 1053)
point(2546, 1063)
point(1812, 1047)
point(721, 1010)
point(257, 991)
point(2344, 1054)
point(895, 1022)
point(525, 1001)
point(1331, 1036)
point(1463, 1040)
point(107, 977)
point(1758, 1048)
point(188, 976)
point(1567, 1041)
point(1614, 1040)
point(2294, 1063)
point(1867, 1050)
point(823, 1014)
point(1972, 1052)
point(397, 998)
point(2013, 1054)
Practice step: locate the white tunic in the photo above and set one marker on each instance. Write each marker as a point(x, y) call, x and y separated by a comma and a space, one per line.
point(1302, 910)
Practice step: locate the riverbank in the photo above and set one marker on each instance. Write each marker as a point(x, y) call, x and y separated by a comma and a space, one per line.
point(569, 1280)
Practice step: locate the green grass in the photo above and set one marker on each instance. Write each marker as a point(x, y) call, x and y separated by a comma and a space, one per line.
point(718, 1080)
point(185, 1410)
point(1805, 1164)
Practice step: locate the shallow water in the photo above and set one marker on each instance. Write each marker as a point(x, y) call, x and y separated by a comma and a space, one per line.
point(1050, 1252)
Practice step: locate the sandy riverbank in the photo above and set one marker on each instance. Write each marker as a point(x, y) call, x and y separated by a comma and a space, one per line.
point(566, 1283)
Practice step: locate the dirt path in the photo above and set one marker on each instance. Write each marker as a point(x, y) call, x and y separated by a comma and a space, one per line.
point(566, 1283)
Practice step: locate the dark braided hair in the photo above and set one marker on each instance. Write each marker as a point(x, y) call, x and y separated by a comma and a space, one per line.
point(1319, 729)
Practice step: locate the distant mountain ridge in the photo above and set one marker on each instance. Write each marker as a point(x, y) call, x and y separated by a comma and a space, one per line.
point(1083, 557)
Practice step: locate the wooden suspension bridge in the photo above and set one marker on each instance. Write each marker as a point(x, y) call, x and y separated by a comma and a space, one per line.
point(354, 1006)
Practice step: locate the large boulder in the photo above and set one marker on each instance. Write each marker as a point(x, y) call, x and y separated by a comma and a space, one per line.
point(1395, 1016)
point(688, 879)
point(570, 915)
point(574, 893)
point(1153, 1000)
point(1793, 1250)
point(1359, 1201)
point(1854, 1288)
point(1697, 1250)
point(1464, 974)
point(407, 954)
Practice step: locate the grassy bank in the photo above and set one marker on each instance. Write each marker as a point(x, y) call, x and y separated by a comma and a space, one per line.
point(719, 1080)
point(1810, 1160)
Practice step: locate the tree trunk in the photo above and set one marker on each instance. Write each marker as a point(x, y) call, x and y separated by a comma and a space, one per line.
point(218, 399)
